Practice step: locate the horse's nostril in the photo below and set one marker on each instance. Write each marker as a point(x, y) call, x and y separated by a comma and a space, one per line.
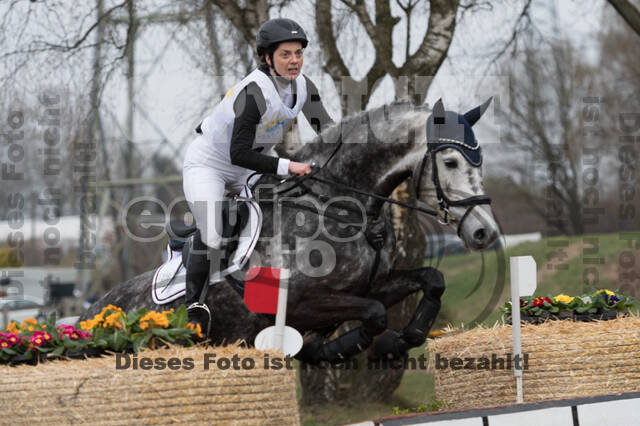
point(479, 235)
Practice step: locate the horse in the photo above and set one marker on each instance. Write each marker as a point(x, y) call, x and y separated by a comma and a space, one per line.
point(340, 271)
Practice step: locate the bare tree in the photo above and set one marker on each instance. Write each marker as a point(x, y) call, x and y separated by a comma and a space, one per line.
point(425, 61)
point(545, 124)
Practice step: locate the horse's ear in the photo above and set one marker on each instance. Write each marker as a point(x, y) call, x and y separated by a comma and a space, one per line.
point(438, 112)
point(474, 115)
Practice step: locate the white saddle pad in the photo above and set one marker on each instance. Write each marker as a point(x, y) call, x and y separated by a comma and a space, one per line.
point(168, 281)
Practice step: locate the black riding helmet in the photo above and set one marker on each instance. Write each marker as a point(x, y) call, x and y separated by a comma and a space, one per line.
point(276, 31)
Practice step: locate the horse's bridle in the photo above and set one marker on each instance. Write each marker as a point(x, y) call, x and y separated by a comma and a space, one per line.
point(444, 202)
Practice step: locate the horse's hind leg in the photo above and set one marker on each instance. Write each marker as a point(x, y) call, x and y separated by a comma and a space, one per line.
point(329, 309)
point(401, 284)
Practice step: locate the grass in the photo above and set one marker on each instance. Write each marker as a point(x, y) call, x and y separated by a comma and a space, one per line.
point(479, 282)
point(569, 265)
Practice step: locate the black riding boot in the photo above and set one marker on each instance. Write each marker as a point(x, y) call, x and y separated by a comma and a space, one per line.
point(197, 264)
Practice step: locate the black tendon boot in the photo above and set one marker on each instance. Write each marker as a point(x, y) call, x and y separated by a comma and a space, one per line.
point(197, 264)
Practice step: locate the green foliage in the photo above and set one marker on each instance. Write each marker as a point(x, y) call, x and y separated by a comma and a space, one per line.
point(111, 330)
point(596, 302)
point(434, 405)
point(9, 258)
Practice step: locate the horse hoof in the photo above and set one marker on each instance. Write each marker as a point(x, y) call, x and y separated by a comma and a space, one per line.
point(311, 351)
point(389, 345)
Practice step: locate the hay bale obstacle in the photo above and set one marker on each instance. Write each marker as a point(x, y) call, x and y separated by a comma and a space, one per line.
point(95, 391)
point(564, 359)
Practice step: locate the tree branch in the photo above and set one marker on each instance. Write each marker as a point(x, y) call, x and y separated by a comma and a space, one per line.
point(83, 38)
point(435, 45)
point(334, 64)
point(517, 28)
point(628, 12)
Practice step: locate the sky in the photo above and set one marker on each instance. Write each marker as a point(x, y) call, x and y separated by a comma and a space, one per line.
point(173, 95)
point(176, 95)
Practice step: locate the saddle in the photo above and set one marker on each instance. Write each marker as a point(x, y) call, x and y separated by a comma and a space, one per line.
point(235, 216)
point(241, 224)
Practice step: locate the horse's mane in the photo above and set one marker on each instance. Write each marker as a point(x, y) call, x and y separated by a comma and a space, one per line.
point(403, 111)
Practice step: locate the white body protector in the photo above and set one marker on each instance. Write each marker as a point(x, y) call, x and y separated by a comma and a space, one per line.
point(207, 168)
point(212, 148)
point(208, 172)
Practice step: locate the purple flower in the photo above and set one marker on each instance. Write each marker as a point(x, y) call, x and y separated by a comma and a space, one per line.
point(611, 299)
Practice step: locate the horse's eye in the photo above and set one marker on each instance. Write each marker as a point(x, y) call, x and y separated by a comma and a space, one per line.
point(451, 164)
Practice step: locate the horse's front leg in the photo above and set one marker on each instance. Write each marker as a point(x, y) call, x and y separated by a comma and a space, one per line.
point(328, 309)
point(402, 283)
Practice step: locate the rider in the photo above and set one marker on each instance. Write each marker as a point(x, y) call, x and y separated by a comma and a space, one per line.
point(233, 140)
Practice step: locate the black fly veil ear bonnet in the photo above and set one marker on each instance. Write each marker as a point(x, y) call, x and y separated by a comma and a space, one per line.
point(448, 129)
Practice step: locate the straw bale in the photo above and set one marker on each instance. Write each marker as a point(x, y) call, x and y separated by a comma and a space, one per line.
point(93, 391)
point(566, 359)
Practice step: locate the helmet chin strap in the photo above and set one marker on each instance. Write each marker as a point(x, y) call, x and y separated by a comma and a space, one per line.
point(279, 77)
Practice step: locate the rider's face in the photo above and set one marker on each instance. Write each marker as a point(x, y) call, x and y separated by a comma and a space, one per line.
point(287, 59)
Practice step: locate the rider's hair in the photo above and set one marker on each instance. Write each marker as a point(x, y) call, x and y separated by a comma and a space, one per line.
point(263, 58)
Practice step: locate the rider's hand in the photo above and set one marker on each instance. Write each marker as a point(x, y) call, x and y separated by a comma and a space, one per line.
point(299, 168)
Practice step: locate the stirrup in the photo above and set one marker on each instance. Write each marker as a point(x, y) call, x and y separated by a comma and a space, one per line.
point(198, 305)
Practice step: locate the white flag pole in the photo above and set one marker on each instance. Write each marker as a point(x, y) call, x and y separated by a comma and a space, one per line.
point(523, 283)
point(278, 258)
point(280, 336)
point(281, 312)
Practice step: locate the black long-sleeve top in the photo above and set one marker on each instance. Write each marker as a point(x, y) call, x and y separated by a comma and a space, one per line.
point(249, 107)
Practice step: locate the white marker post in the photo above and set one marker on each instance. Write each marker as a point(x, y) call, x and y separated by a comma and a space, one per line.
point(280, 337)
point(523, 283)
point(281, 313)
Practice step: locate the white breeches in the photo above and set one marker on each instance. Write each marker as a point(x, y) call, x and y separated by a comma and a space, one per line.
point(204, 188)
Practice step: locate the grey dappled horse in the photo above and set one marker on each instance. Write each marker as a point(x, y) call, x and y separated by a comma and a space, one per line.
point(342, 272)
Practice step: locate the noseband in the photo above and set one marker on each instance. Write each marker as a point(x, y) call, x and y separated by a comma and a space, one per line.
point(444, 202)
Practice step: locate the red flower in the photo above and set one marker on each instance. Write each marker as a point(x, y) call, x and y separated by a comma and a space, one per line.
point(523, 303)
point(37, 339)
point(83, 334)
point(539, 301)
point(71, 332)
point(10, 338)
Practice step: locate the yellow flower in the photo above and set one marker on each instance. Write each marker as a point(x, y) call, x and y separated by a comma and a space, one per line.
point(153, 318)
point(30, 328)
point(31, 321)
point(110, 307)
point(113, 320)
point(96, 321)
point(607, 292)
point(196, 328)
point(13, 327)
point(563, 298)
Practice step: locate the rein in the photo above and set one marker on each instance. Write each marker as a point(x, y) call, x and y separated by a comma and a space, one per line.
point(312, 176)
point(444, 202)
